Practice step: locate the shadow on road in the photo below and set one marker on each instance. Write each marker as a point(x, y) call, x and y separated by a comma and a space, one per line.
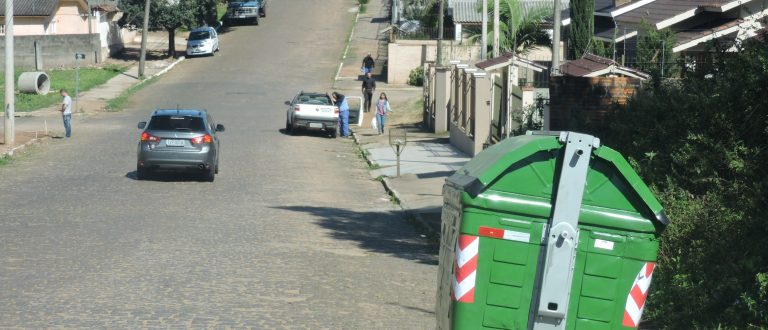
point(382, 232)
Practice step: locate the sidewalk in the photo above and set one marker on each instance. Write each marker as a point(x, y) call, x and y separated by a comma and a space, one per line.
point(427, 159)
point(35, 126)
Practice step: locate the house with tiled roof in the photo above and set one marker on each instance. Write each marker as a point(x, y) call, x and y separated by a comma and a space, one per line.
point(48, 17)
point(59, 25)
point(694, 23)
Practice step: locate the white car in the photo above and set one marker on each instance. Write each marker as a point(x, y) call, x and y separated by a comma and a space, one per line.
point(312, 111)
point(202, 41)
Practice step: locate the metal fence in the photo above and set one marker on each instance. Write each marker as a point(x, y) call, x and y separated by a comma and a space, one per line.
point(425, 33)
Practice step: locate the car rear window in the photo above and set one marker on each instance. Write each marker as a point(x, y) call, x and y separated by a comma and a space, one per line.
point(177, 123)
point(315, 99)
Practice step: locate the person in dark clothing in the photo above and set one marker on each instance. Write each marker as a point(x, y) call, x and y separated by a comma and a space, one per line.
point(369, 86)
point(368, 64)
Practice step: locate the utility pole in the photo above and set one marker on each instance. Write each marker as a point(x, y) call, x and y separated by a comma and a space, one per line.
point(143, 57)
point(484, 34)
point(496, 28)
point(440, 15)
point(10, 84)
point(556, 41)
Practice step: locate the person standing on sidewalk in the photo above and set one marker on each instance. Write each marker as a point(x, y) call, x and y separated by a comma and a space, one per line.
point(369, 86)
point(66, 112)
point(340, 101)
point(382, 109)
point(368, 64)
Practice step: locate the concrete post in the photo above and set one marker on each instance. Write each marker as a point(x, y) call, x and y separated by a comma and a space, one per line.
point(10, 84)
point(440, 18)
point(481, 110)
point(143, 57)
point(442, 98)
point(484, 34)
point(514, 81)
point(496, 28)
point(38, 57)
point(556, 41)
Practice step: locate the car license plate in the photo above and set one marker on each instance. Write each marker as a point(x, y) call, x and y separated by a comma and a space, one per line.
point(325, 110)
point(174, 143)
point(315, 125)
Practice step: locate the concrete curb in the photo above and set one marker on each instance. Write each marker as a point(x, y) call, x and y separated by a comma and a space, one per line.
point(168, 68)
point(346, 49)
point(20, 148)
point(395, 195)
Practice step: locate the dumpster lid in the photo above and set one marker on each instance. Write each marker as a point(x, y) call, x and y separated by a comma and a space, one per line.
point(489, 165)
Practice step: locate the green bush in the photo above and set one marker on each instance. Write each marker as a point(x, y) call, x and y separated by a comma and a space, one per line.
point(416, 77)
point(701, 143)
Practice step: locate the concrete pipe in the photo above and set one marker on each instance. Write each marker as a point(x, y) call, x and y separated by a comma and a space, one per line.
point(34, 82)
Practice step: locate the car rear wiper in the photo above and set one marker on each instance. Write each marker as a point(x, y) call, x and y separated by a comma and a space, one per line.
point(183, 129)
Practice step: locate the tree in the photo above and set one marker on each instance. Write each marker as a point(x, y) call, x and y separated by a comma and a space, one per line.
point(654, 52)
point(520, 31)
point(170, 15)
point(701, 143)
point(582, 27)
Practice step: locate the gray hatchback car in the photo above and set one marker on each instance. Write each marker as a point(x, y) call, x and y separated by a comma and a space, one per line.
point(175, 139)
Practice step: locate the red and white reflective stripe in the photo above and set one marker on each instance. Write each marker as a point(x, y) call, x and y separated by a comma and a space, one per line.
point(466, 268)
point(509, 235)
point(636, 298)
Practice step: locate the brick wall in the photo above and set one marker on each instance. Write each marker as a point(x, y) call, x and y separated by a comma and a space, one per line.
point(578, 100)
point(58, 50)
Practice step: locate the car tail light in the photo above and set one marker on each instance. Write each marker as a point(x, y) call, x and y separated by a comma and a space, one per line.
point(297, 108)
point(148, 137)
point(336, 110)
point(202, 139)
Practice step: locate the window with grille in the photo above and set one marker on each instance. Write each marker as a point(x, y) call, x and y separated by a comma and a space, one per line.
point(2, 29)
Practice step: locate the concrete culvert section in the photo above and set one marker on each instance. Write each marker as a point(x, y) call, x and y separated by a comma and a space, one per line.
point(34, 82)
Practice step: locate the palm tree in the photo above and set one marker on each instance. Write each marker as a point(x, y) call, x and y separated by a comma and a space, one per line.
point(520, 27)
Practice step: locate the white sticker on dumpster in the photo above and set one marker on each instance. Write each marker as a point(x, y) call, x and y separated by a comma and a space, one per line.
point(517, 236)
point(603, 244)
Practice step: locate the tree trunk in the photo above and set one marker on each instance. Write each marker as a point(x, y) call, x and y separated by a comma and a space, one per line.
point(171, 42)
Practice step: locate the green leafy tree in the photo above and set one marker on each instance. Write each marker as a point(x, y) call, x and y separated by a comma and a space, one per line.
point(519, 31)
point(582, 27)
point(701, 143)
point(654, 52)
point(169, 15)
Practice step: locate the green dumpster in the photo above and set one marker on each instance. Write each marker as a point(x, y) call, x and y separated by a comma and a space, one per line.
point(547, 232)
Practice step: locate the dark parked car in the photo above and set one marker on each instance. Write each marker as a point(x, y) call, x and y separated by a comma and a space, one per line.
point(183, 140)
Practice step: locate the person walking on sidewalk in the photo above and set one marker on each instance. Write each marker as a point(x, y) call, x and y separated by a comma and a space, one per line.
point(368, 64)
point(382, 109)
point(66, 112)
point(369, 86)
point(340, 101)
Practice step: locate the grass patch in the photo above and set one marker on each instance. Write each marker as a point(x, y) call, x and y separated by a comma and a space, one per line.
point(4, 160)
point(363, 8)
point(89, 78)
point(118, 103)
point(374, 166)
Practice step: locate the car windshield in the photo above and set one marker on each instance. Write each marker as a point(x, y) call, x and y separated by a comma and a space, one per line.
point(315, 99)
point(199, 35)
point(177, 123)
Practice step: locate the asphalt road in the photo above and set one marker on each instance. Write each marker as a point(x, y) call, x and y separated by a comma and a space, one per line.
point(292, 234)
